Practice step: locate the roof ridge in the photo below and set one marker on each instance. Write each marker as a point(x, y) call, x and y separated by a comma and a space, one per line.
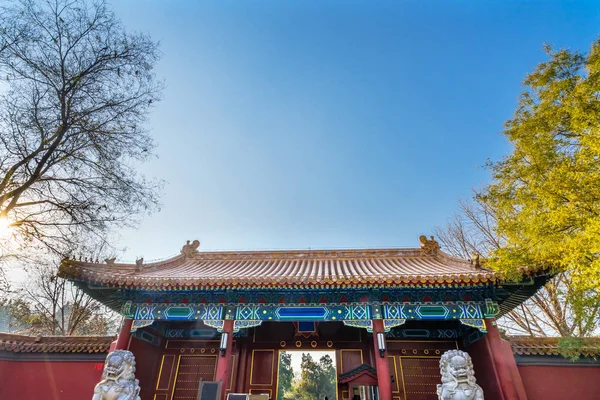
point(531, 345)
point(4, 336)
point(408, 251)
point(51, 344)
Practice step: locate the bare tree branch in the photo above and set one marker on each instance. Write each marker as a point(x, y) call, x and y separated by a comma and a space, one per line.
point(48, 305)
point(72, 122)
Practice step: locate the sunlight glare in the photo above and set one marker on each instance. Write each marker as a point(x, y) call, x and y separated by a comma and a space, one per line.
point(6, 228)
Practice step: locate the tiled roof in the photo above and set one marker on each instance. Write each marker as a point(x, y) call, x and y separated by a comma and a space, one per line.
point(55, 344)
point(283, 269)
point(360, 370)
point(535, 346)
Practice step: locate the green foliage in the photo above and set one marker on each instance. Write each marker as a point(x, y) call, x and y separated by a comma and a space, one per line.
point(285, 375)
point(546, 192)
point(574, 348)
point(317, 380)
point(326, 383)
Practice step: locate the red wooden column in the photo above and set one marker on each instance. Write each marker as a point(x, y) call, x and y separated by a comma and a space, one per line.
point(505, 365)
point(224, 361)
point(124, 335)
point(240, 382)
point(382, 364)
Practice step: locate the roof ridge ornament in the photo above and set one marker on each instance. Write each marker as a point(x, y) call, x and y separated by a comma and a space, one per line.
point(429, 246)
point(475, 261)
point(190, 249)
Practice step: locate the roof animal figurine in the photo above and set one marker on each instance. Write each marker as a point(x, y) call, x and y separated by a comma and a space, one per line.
point(429, 246)
point(139, 263)
point(189, 249)
point(475, 260)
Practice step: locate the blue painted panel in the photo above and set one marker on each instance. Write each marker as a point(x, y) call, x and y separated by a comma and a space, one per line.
point(306, 313)
point(306, 326)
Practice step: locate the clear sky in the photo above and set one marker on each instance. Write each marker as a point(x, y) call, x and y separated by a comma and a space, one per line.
point(332, 124)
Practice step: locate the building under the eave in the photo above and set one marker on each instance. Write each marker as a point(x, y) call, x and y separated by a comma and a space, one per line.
point(224, 316)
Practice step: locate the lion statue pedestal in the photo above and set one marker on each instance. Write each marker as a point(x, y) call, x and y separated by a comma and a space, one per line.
point(118, 379)
point(458, 377)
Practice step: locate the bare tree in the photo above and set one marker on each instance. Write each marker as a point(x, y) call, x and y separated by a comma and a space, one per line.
point(79, 89)
point(48, 305)
point(17, 29)
point(555, 310)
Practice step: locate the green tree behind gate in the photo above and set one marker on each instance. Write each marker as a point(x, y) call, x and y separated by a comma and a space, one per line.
point(316, 381)
point(285, 375)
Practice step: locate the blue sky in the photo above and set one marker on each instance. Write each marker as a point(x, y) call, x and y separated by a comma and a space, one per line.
point(332, 124)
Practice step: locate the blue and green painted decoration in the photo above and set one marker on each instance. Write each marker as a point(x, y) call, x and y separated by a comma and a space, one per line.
point(357, 314)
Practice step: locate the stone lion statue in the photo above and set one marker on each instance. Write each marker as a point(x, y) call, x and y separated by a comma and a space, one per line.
point(458, 377)
point(118, 379)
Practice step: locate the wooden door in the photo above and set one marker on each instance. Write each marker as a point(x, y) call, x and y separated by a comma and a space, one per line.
point(192, 369)
point(416, 368)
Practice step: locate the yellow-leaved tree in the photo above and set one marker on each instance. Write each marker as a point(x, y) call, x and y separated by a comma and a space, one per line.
point(546, 193)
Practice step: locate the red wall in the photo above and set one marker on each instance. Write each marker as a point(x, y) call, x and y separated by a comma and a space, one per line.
point(485, 372)
point(147, 365)
point(544, 382)
point(51, 380)
point(74, 380)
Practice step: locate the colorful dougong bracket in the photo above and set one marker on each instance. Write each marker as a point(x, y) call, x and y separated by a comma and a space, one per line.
point(491, 308)
point(475, 323)
point(141, 323)
point(388, 324)
point(366, 324)
point(237, 325)
point(128, 310)
point(215, 323)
